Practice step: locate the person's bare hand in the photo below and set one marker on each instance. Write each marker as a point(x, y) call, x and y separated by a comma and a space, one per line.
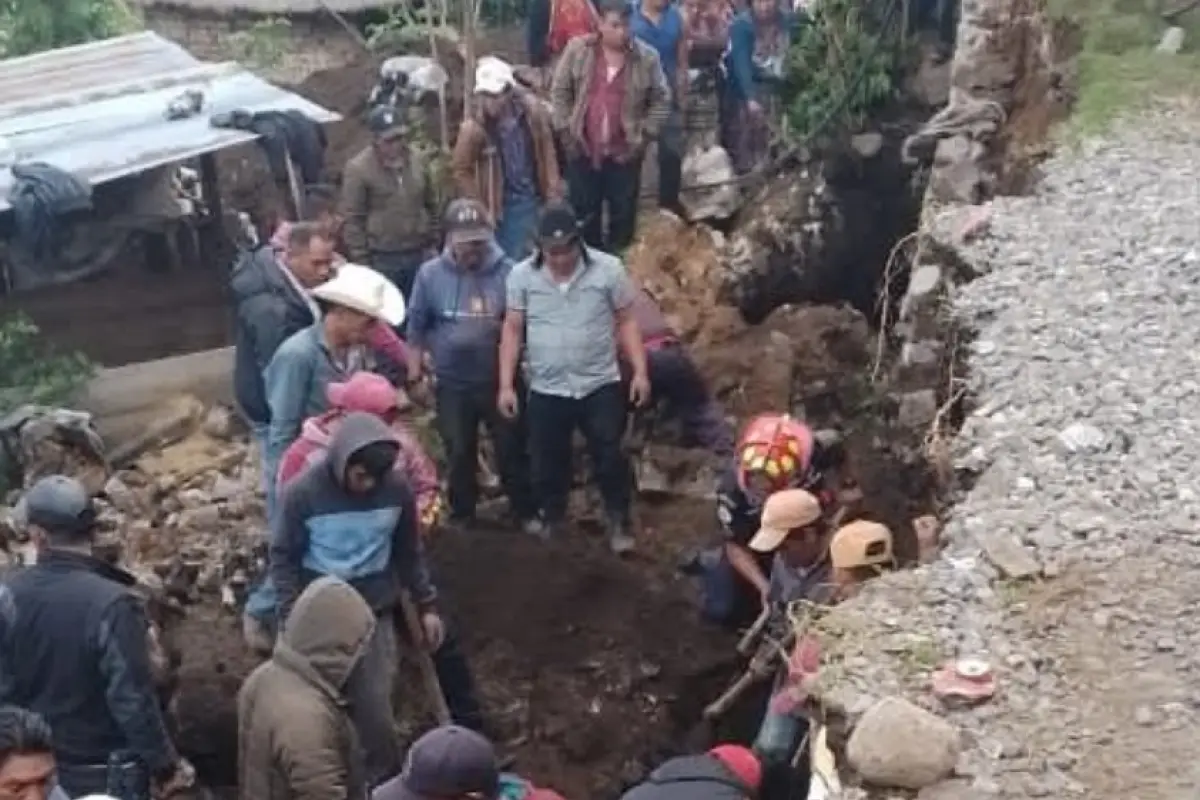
point(754, 107)
point(639, 391)
point(506, 402)
point(434, 630)
point(182, 779)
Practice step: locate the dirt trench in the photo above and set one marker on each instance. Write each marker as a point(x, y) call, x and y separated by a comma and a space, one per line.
point(593, 670)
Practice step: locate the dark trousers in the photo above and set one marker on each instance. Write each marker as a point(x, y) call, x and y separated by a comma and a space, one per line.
point(400, 267)
point(678, 385)
point(460, 410)
point(373, 680)
point(601, 418)
point(670, 163)
point(613, 186)
point(121, 778)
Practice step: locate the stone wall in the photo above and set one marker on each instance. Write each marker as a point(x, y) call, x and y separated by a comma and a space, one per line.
point(1002, 63)
point(311, 42)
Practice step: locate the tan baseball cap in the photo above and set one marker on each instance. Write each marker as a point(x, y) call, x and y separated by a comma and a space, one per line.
point(782, 513)
point(861, 543)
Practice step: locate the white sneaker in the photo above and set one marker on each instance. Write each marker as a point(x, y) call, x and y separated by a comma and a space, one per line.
point(535, 527)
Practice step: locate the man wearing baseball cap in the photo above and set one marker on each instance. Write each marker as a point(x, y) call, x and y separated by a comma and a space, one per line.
point(74, 649)
point(570, 309)
point(455, 763)
point(505, 155)
point(457, 308)
point(388, 201)
point(794, 529)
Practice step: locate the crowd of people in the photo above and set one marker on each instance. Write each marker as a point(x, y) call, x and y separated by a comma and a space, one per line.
point(506, 311)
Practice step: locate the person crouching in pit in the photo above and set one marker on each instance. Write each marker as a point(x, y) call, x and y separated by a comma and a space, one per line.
point(795, 534)
point(568, 307)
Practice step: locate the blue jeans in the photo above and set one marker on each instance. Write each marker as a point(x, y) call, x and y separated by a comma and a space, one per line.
point(518, 223)
point(261, 602)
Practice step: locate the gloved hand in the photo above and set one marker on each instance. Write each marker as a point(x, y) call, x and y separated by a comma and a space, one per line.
point(431, 509)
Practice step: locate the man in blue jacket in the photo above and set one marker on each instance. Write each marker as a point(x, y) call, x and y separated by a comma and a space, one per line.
point(353, 517)
point(454, 318)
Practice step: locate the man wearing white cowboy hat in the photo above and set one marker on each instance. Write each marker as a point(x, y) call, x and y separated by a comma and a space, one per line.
point(332, 349)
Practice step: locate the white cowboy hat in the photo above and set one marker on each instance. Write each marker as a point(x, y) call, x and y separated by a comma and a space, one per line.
point(364, 290)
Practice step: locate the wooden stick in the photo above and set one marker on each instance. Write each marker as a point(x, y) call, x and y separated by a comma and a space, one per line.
point(429, 678)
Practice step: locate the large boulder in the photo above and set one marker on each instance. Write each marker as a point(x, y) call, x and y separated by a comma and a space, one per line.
point(897, 744)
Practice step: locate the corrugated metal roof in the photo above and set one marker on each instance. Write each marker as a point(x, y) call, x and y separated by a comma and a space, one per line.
point(97, 109)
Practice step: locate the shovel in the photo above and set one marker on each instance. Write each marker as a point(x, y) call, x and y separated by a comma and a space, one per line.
point(429, 678)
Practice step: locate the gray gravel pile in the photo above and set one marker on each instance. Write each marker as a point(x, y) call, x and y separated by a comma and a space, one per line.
point(1073, 564)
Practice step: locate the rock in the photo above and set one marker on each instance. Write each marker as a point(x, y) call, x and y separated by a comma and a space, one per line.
point(201, 518)
point(917, 409)
point(219, 423)
point(1171, 41)
point(867, 145)
point(224, 488)
point(897, 744)
point(1011, 558)
point(1080, 437)
point(949, 790)
point(121, 496)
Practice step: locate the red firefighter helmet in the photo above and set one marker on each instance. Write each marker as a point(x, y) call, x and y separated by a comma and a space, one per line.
point(774, 452)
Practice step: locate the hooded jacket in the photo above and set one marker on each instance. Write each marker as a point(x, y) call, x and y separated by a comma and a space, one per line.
point(456, 315)
point(698, 777)
point(296, 740)
point(413, 464)
point(370, 541)
point(268, 310)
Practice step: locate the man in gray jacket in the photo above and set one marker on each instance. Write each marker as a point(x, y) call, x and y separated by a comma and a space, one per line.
point(353, 517)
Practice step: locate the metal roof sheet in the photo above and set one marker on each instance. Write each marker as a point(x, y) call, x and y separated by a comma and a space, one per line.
point(98, 109)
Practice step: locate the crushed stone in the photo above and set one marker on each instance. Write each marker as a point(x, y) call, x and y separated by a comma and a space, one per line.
point(1086, 376)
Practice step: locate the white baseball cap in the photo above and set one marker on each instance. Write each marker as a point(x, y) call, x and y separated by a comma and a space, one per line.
point(364, 290)
point(493, 76)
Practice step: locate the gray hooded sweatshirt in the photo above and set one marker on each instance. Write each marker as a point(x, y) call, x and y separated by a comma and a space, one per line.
point(370, 541)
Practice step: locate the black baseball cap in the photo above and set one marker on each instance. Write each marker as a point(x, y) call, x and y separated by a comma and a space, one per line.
point(465, 221)
point(58, 504)
point(447, 762)
point(386, 122)
point(558, 225)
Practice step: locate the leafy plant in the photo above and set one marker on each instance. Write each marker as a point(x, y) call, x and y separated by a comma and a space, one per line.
point(30, 26)
point(264, 44)
point(31, 372)
point(842, 66)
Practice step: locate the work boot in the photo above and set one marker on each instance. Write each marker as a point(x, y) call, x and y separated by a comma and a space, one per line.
point(620, 539)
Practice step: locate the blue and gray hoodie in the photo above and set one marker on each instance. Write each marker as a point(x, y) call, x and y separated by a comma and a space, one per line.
point(456, 314)
point(370, 541)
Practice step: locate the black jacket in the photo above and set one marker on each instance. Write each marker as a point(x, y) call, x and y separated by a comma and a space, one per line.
point(268, 311)
point(73, 648)
point(698, 777)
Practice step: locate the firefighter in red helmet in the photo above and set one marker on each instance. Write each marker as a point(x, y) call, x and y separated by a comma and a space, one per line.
point(774, 452)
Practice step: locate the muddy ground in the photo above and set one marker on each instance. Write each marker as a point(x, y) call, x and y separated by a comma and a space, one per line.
point(592, 669)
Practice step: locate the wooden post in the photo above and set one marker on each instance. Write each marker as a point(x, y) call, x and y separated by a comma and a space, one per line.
point(435, 26)
point(212, 238)
point(470, 17)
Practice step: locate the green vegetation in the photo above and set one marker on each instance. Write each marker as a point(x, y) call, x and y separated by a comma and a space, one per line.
point(1119, 71)
point(842, 67)
point(31, 372)
point(30, 26)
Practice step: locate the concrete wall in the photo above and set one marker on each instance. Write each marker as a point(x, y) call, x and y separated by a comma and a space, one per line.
point(312, 42)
